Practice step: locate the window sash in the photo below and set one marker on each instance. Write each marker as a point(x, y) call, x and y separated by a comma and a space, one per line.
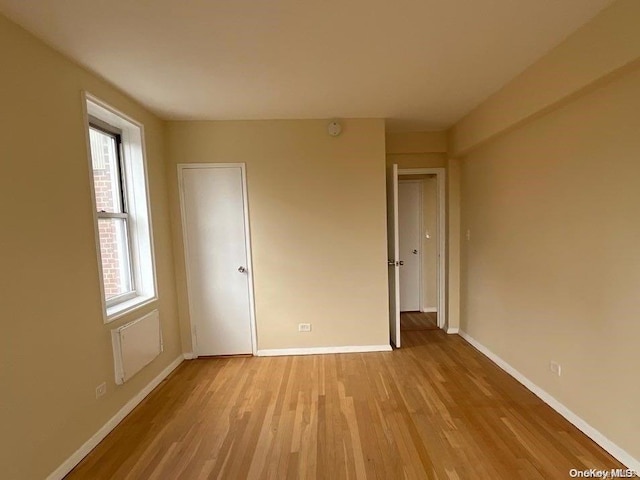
point(123, 297)
point(103, 214)
point(119, 184)
point(126, 261)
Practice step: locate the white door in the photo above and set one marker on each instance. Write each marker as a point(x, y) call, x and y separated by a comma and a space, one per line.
point(216, 249)
point(409, 212)
point(392, 252)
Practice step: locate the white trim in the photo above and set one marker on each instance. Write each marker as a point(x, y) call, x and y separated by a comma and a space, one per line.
point(113, 422)
point(189, 356)
point(121, 309)
point(185, 247)
point(421, 297)
point(429, 310)
point(247, 229)
point(394, 296)
point(323, 350)
point(623, 456)
point(245, 200)
point(453, 330)
point(96, 233)
point(440, 174)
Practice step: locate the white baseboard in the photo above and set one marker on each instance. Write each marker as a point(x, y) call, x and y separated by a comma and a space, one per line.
point(453, 330)
point(623, 456)
point(97, 437)
point(323, 350)
point(429, 310)
point(189, 356)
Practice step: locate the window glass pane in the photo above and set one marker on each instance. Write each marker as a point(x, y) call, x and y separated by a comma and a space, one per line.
point(114, 249)
point(106, 172)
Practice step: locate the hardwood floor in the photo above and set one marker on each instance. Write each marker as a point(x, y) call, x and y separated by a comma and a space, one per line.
point(435, 409)
point(418, 321)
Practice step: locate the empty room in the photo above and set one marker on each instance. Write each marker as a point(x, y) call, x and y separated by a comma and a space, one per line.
point(319, 240)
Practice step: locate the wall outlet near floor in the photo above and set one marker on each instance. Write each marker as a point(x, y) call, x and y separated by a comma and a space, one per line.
point(555, 367)
point(101, 389)
point(304, 327)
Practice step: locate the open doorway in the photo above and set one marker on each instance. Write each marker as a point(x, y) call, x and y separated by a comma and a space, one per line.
point(416, 248)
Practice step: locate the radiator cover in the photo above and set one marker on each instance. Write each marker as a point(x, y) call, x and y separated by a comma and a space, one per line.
point(135, 345)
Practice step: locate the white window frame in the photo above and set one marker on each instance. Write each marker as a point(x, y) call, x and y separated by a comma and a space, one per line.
point(134, 174)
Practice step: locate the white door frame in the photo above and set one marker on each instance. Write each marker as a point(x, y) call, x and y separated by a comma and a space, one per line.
point(440, 174)
point(393, 264)
point(245, 200)
point(421, 227)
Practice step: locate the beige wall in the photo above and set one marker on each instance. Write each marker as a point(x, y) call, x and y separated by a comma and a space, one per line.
point(318, 225)
point(55, 348)
point(604, 46)
point(416, 142)
point(417, 149)
point(418, 160)
point(552, 267)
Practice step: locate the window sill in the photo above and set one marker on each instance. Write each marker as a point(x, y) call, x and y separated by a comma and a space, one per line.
point(116, 311)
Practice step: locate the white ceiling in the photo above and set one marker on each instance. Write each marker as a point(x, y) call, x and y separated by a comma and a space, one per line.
point(422, 64)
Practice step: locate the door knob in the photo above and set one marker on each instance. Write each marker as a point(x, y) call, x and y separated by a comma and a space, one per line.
point(242, 269)
point(415, 252)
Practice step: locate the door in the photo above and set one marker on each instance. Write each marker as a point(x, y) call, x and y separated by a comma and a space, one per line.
point(409, 226)
point(216, 254)
point(393, 255)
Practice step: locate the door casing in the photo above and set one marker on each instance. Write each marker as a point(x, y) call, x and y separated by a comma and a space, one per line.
point(393, 254)
point(440, 174)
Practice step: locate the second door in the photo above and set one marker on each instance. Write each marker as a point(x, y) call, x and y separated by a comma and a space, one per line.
point(409, 226)
point(216, 254)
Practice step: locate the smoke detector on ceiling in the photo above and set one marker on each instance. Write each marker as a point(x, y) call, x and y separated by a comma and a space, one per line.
point(334, 128)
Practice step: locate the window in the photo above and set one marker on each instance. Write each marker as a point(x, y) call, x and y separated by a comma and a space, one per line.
point(123, 237)
point(113, 216)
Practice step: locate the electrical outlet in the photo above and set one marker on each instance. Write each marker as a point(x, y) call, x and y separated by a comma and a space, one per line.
point(101, 389)
point(304, 327)
point(555, 367)
point(468, 234)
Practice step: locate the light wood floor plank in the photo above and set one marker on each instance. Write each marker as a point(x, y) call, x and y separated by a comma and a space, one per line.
point(418, 321)
point(435, 409)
